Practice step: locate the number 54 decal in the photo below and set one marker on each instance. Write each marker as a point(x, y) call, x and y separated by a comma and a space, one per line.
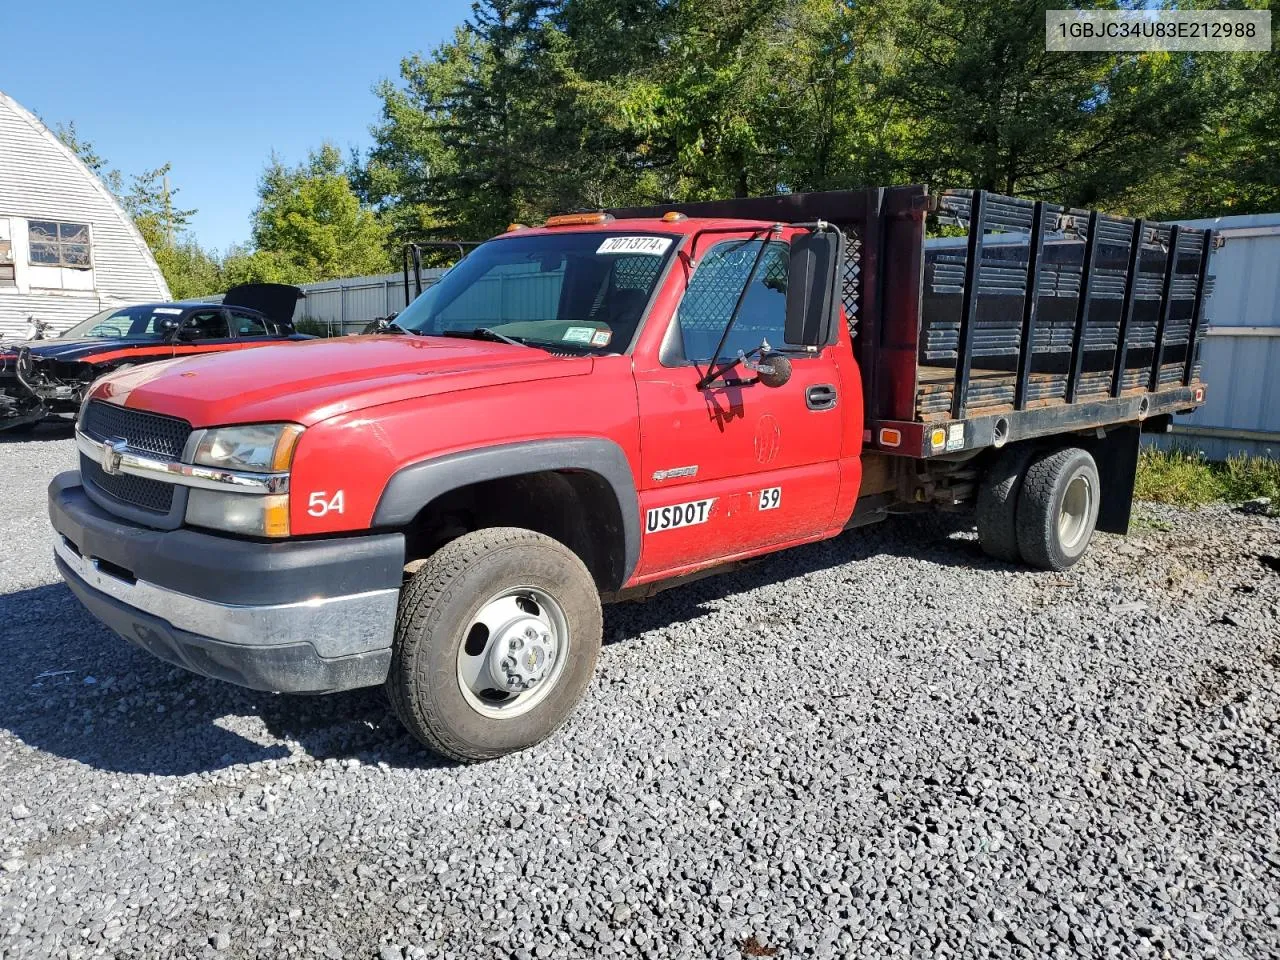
point(770, 498)
point(321, 503)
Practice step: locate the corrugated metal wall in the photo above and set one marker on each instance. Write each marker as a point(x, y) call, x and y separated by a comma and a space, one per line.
point(1241, 350)
point(345, 306)
point(40, 179)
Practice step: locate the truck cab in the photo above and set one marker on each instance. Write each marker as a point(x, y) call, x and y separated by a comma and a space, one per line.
point(576, 413)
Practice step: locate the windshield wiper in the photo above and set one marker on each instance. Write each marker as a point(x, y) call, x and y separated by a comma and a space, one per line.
point(484, 333)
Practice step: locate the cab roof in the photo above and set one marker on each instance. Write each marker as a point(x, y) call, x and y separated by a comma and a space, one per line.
point(677, 228)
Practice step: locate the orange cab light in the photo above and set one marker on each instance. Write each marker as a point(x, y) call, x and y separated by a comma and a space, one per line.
point(673, 216)
point(516, 226)
point(577, 219)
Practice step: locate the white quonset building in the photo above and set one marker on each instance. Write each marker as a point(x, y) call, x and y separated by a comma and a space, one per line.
point(67, 249)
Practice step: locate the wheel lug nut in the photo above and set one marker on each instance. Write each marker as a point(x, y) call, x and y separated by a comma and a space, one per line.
point(530, 632)
point(516, 643)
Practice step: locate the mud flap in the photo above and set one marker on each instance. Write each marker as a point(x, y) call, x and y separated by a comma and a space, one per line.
point(1117, 459)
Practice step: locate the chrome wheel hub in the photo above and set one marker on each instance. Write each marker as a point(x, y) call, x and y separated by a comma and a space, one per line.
point(512, 653)
point(522, 655)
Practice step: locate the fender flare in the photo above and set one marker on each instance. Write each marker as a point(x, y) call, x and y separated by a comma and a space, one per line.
point(413, 487)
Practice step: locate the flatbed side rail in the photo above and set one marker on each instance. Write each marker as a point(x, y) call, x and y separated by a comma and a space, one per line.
point(1041, 308)
point(911, 438)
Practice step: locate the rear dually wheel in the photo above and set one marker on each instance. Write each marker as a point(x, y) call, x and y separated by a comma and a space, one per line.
point(1058, 508)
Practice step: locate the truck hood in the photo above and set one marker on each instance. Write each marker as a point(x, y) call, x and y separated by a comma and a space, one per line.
point(306, 382)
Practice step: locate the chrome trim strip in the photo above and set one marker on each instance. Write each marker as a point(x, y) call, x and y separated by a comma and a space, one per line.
point(187, 474)
point(334, 626)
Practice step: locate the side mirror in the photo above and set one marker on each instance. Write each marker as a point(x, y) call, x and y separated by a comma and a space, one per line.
point(812, 282)
point(774, 369)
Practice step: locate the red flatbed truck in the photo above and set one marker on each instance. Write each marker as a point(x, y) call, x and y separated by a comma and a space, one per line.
point(612, 403)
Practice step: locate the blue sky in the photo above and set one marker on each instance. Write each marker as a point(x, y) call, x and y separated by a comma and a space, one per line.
point(213, 87)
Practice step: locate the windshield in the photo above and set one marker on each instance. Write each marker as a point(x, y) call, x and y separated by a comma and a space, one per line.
point(578, 291)
point(145, 323)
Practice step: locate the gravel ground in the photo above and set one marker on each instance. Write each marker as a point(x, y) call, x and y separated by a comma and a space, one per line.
point(880, 746)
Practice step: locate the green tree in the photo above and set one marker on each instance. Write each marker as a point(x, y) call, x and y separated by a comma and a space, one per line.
point(111, 178)
point(150, 203)
point(190, 270)
point(310, 224)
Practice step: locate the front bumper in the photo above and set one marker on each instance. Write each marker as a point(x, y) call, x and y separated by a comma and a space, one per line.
point(309, 616)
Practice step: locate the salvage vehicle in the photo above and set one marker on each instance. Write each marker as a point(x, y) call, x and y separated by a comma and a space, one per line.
point(47, 376)
point(617, 402)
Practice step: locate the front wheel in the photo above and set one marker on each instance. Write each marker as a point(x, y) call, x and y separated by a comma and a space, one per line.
point(496, 640)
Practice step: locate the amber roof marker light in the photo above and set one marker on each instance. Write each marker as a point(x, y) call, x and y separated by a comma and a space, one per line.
point(673, 216)
point(579, 219)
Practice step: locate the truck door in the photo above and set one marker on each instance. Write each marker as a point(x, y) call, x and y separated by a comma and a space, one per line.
point(733, 470)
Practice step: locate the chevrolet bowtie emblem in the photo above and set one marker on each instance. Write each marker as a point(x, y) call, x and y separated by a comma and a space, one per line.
point(112, 452)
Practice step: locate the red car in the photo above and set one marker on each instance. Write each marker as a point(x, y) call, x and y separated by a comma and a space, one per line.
point(49, 376)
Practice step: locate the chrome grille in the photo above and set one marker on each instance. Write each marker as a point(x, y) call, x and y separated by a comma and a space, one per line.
point(160, 436)
point(145, 432)
point(144, 493)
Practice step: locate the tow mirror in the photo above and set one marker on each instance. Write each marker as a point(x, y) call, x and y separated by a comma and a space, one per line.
point(812, 276)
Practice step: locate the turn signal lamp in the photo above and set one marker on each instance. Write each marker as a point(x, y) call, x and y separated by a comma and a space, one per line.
point(579, 219)
point(890, 437)
point(275, 516)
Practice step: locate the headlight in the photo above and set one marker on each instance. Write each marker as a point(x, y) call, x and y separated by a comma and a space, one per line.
point(262, 448)
point(265, 447)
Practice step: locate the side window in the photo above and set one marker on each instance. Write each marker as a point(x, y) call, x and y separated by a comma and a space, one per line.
point(714, 290)
point(250, 324)
point(205, 325)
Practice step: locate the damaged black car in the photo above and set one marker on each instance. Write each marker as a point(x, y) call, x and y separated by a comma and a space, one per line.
point(44, 378)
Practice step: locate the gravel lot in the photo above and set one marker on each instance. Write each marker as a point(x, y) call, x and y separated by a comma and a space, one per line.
point(880, 746)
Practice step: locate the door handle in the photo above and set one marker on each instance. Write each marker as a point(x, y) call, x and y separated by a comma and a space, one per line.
point(820, 396)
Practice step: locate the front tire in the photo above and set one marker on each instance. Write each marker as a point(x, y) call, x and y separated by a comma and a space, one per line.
point(496, 640)
point(1058, 508)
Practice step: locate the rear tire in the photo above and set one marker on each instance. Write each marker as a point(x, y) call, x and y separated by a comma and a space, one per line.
point(997, 507)
point(1058, 508)
point(439, 642)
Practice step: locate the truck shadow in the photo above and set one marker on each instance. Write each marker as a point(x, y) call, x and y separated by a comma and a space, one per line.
point(932, 537)
point(73, 689)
